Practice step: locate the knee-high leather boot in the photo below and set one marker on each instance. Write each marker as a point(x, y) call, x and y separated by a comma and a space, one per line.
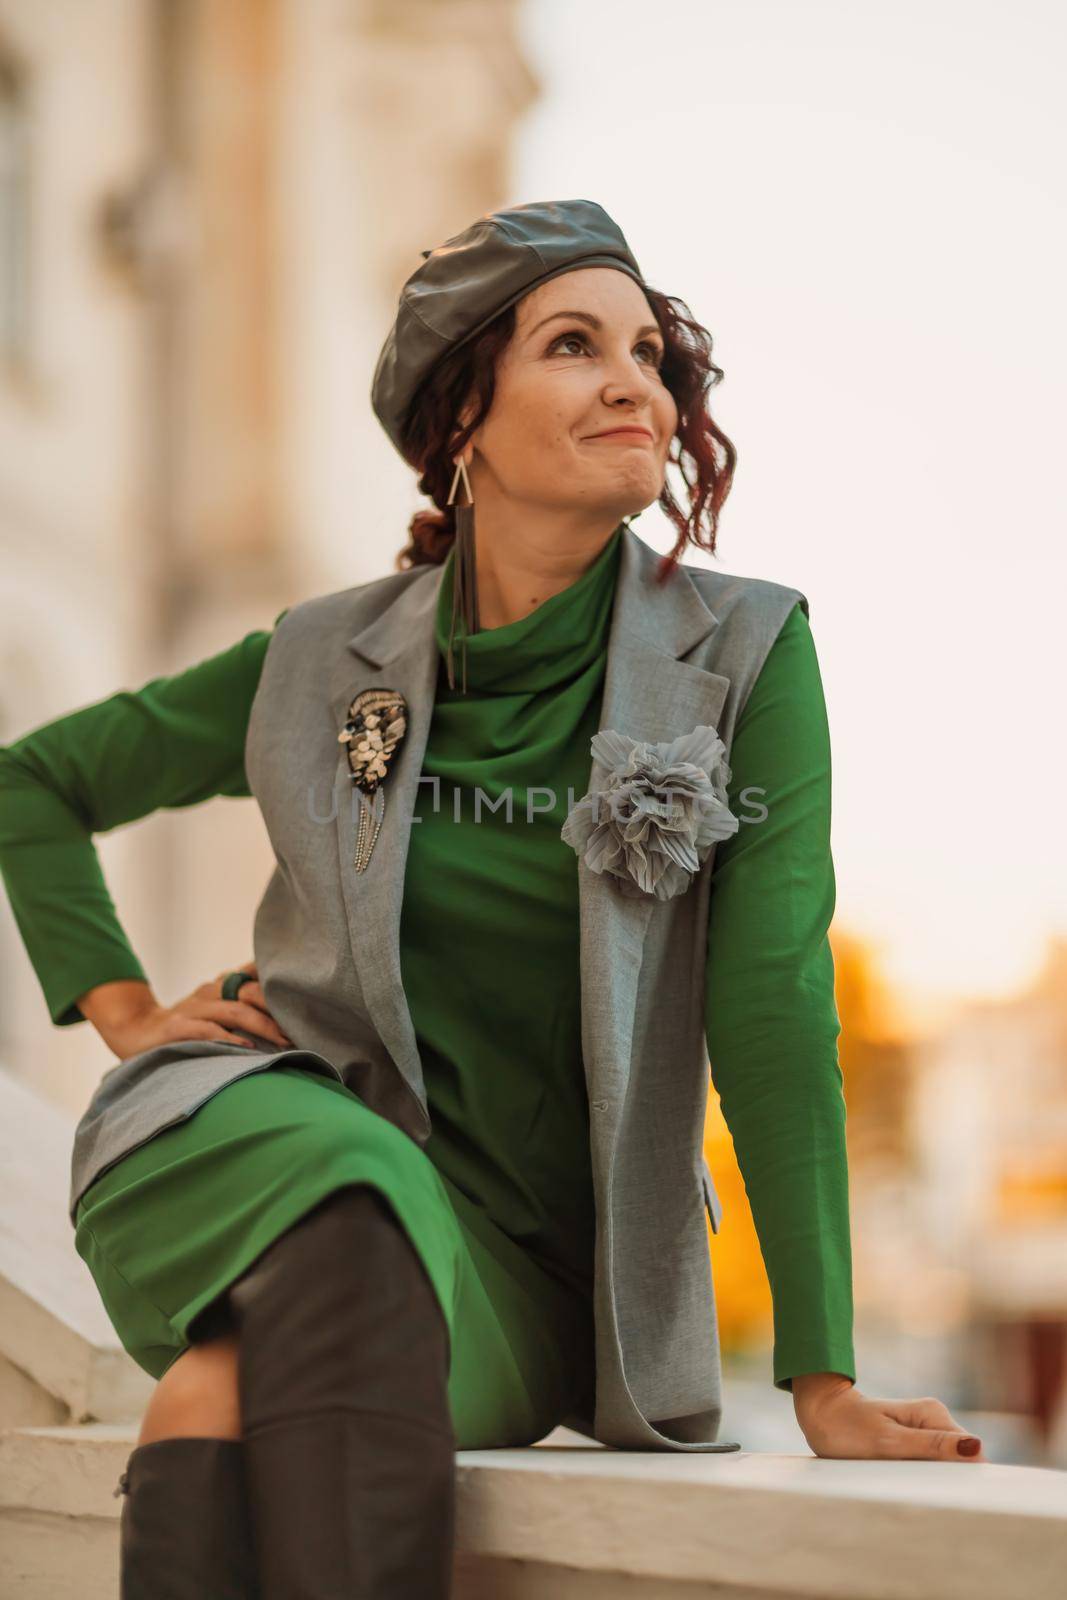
point(184, 1527)
point(343, 1374)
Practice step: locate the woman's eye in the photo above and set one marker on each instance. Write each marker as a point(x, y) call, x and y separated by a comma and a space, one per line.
point(580, 338)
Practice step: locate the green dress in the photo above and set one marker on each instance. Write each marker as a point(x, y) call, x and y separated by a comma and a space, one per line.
point(499, 1203)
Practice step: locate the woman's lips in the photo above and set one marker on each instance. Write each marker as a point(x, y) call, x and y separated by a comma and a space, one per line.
point(622, 436)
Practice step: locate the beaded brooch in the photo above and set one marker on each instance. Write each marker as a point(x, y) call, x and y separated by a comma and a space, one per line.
point(374, 732)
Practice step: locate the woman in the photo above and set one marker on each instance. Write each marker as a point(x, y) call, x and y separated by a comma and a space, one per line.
point(427, 1174)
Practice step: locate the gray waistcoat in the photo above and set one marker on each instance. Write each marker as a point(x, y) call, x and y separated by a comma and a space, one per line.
point(327, 949)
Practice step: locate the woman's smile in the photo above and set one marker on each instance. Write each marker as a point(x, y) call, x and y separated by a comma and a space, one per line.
point(622, 436)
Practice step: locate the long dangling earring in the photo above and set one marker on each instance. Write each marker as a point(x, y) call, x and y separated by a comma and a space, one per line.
point(464, 579)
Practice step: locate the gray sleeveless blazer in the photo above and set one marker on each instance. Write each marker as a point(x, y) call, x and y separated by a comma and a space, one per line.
point(327, 947)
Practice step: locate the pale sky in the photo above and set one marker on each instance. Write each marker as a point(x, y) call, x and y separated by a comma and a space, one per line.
point(865, 205)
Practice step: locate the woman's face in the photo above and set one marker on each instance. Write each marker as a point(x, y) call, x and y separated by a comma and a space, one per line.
point(584, 359)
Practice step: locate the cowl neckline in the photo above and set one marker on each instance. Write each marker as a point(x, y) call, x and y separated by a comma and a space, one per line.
point(551, 646)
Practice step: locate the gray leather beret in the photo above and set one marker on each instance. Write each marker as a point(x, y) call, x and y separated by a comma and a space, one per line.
point(469, 279)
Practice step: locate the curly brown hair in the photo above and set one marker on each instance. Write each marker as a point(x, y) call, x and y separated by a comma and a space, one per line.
point(703, 454)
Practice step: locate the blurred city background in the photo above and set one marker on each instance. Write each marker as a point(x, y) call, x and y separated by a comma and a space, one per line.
point(207, 209)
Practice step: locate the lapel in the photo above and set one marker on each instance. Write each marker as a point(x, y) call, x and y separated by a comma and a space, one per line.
point(649, 693)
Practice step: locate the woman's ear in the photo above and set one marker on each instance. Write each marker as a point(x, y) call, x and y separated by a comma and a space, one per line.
point(467, 452)
point(463, 422)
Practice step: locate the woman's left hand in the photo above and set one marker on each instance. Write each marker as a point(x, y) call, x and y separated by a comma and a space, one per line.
point(838, 1420)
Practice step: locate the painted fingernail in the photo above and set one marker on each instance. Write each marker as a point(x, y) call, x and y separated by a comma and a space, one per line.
point(968, 1447)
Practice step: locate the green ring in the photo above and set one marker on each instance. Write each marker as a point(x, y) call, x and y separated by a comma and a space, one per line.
point(233, 981)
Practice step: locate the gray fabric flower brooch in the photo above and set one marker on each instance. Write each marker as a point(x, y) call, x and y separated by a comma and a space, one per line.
point(661, 809)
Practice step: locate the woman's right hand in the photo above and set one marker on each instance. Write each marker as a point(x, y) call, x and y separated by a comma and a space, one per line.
point(204, 1014)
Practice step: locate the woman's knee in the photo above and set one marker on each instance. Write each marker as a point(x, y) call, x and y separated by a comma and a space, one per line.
point(198, 1394)
point(303, 1286)
point(312, 1308)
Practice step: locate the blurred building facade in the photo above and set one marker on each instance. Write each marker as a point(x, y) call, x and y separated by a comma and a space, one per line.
point(989, 1114)
point(207, 209)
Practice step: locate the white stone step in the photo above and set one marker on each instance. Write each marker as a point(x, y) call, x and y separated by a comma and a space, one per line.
point(57, 1346)
point(568, 1520)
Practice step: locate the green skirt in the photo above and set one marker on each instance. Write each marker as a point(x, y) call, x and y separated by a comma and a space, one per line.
point(167, 1229)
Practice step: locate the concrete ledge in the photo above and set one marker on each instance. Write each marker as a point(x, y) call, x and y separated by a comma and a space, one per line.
point(567, 1520)
point(55, 1335)
point(762, 1525)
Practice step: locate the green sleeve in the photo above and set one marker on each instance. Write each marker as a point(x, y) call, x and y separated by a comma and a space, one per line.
point(771, 1018)
point(174, 742)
